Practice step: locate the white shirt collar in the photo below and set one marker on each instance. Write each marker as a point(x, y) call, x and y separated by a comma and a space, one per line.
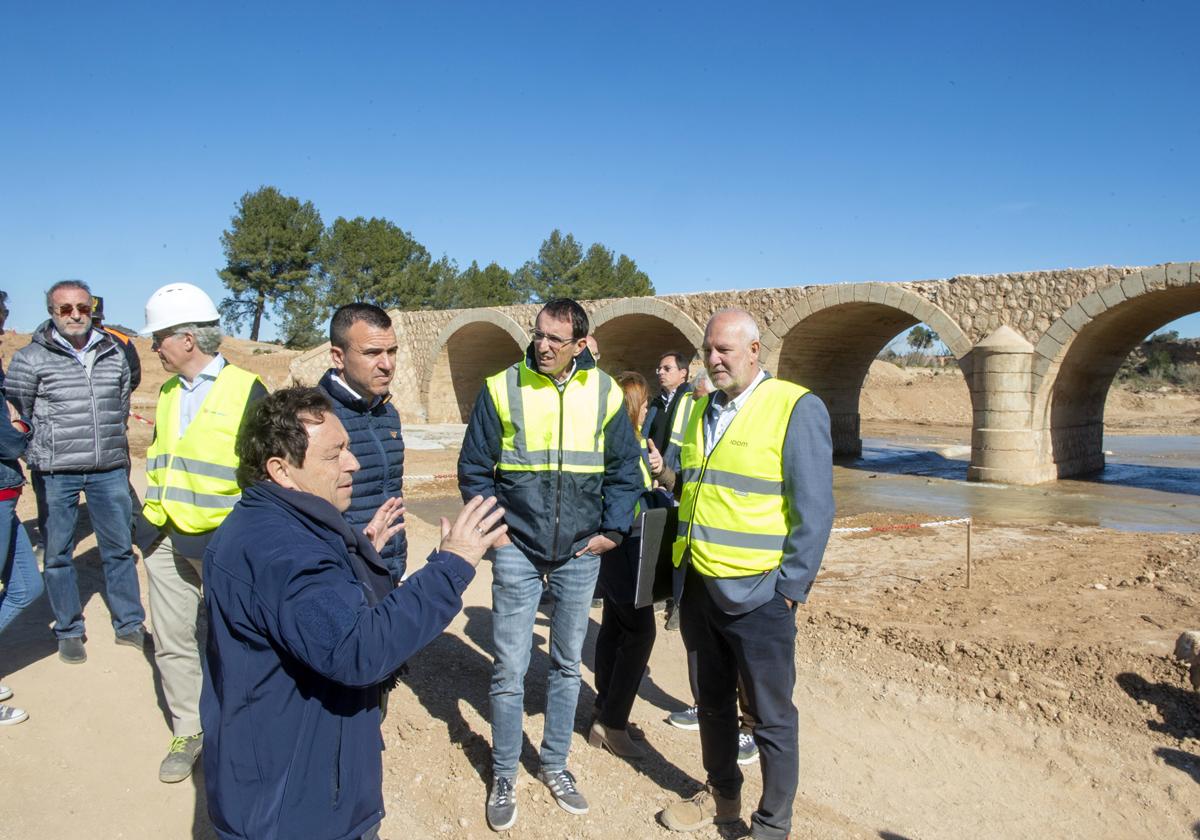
point(345, 387)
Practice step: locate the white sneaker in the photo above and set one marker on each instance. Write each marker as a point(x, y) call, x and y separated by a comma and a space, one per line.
point(5, 692)
point(11, 715)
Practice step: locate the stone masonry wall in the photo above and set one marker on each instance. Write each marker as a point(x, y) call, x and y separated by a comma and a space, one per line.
point(1029, 302)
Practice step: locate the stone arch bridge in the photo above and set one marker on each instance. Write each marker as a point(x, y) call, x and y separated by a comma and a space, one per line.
point(1037, 350)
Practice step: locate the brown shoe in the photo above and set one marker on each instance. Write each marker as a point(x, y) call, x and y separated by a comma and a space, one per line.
point(705, 808)
point(616, 741)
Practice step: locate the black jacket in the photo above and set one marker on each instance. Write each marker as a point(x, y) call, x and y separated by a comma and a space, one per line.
point(551, 514)
point(377, 443)
point(662, 416)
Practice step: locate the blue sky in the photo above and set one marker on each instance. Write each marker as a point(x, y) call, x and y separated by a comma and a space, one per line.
point(720, 145)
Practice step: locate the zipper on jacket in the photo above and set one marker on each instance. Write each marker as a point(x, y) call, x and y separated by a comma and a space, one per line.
point(383, 457)
point(95, 413)
point(558, 492)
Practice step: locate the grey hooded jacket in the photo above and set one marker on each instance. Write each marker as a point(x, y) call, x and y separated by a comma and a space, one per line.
point(78, 415)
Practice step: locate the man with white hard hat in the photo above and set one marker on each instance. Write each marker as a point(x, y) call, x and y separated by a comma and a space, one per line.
point(191, 486)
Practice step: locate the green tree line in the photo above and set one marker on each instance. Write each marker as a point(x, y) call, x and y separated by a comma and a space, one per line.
point(283, 263)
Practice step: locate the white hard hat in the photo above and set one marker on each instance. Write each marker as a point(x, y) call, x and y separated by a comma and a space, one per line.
point(178, 303)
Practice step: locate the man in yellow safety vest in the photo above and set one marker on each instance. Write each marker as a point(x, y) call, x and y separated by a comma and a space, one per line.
point(191, 486)
point(549, 437)
point(754, 517)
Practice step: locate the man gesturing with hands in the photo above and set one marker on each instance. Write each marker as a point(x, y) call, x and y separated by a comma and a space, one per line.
point(306, 628)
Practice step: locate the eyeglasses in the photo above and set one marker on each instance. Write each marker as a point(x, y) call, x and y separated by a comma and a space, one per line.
point(65, 309)
point(554, 341)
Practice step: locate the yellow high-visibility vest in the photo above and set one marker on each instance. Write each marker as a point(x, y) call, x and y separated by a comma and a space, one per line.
point(678, 424)
point(192, 480)
point(733, 516)
point(535, 432)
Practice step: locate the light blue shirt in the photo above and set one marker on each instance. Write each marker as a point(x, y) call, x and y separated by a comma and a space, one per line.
point(721, 413)
point(195, 391)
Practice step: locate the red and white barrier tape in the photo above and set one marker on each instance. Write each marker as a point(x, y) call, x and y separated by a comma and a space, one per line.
point(938, 524)
point(433, 477)
point(136, 416)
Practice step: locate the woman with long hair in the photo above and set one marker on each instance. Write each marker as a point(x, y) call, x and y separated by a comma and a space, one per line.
point(627, 632)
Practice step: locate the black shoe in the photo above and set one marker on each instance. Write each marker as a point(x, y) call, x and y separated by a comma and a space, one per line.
point(135, 638)
point(672, 622)
point(71, 650)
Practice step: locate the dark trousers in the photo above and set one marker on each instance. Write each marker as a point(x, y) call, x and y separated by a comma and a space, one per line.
point(623, 648)
point(746, 720)
point(759, 648)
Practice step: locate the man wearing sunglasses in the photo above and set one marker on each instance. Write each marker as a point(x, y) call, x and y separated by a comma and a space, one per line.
point(73, 382)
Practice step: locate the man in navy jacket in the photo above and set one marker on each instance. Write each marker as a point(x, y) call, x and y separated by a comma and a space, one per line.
point(363, 351)
point(305, 626)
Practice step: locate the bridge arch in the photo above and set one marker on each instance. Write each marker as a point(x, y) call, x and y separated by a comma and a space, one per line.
point(634, 333)
point(827, 340)
point(1077, 358)
point(473, 346)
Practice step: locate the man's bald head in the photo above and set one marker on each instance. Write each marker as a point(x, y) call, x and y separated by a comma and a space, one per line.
point(730, 351)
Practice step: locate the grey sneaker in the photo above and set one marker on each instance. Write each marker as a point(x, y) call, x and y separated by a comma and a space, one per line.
point(687, 719)
point(562, 785)
point(11, 715)
point(71, 650)
point(747, 749)
point(501, 805)
point(181, 756)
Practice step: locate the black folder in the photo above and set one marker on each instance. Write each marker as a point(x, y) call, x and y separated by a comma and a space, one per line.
point(655, 570)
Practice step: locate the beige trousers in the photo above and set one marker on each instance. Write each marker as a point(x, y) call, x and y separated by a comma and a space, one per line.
point(176, 612)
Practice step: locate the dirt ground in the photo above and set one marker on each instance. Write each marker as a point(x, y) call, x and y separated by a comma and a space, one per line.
point(921, 397)
point(1040, 702)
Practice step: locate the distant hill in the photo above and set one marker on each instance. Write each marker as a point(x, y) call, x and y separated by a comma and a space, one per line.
point(1164, 355)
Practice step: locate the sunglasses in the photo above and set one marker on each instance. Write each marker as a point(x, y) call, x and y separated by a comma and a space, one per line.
point(64, 309)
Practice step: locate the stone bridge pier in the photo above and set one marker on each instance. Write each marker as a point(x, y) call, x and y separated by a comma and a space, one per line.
point(1037, 351)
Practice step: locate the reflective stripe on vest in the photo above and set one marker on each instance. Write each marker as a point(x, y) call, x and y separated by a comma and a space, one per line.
point(543, 429)
point(678, 424)
point(647, 480)
point(192, 480)
point(733, 517)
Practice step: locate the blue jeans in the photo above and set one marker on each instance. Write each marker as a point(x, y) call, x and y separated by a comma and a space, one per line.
point(18, 566)
point(111, 513)
point(516, 589)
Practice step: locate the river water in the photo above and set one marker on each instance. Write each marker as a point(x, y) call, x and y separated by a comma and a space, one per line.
point(1150, 483)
